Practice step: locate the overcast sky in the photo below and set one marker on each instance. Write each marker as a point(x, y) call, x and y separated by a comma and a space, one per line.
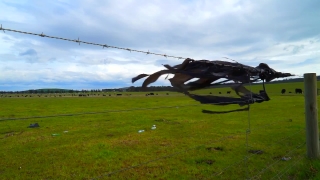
point(282, 33)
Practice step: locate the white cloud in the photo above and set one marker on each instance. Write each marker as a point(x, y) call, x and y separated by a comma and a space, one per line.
point(247, 31)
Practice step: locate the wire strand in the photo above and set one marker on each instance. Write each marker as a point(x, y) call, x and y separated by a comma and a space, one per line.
point(264, 169)
point(285, 170)
point(249, 156)
point(90, 43)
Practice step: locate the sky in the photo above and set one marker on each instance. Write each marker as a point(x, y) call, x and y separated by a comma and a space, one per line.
point(284, 34)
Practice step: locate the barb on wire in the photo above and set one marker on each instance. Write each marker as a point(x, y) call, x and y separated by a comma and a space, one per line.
point(101, 112)
point(2, 28)
point(79, 41)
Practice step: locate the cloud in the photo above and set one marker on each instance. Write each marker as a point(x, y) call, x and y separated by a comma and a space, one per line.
point(29, 52)
point(284, 34)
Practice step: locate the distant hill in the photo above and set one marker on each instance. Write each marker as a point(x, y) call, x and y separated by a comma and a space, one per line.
point(50, 90)
point(138, 89)
point(290, 80)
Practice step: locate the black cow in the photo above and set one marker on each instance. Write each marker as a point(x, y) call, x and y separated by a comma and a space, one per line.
point(298, 91)
point(119, 94)
point(219, 92)
point(228, 92)
point(283, 91)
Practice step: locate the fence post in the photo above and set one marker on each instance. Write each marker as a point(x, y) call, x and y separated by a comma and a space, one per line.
point(311, 115)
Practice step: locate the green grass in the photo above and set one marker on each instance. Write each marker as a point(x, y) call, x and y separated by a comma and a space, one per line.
point(187, 144)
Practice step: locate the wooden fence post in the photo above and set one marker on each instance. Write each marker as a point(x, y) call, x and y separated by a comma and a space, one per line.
point(311, 115)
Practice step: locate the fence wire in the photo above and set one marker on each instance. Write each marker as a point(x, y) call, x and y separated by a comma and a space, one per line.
point(277, 161)
point(285, 170)
point(249, 156)
point(90, 43)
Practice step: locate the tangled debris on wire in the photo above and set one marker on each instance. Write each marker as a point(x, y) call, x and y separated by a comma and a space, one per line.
point(208, 72)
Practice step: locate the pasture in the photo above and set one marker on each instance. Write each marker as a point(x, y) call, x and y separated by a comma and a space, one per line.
point(97, 137)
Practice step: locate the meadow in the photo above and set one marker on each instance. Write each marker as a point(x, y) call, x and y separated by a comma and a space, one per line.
point(97, 137)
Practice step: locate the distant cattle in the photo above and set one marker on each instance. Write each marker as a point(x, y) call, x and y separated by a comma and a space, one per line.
point(219, 92)
point(228, 92)
point(283, 91)
point(298, 91)
point(210, 93)
point(290, 92)
point(167, 93)
point(119, 94)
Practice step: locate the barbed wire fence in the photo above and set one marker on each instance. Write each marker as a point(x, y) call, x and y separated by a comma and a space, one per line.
point(247, 131)
point(90, 43)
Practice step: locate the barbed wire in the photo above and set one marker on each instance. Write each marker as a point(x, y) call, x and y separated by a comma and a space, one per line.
point(264, 169)
point(110, 111)
point(284, 171)
point(90, 43)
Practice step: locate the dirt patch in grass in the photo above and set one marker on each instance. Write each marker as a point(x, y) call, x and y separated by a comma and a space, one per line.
point(166, 121)
point(214, 148)
point(205, 161)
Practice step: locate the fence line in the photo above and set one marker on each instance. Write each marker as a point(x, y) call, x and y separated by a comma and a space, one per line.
point(281, 173)
point(264, 169)
point(134, 109)
point(91, 43)
point(109, 111)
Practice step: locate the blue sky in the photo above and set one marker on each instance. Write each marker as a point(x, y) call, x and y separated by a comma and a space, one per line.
point(285, 34)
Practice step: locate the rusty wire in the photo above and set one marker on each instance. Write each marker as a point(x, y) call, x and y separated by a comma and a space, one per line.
point(90, 43)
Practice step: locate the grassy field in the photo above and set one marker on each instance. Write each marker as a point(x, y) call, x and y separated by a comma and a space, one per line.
point(187, 144)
